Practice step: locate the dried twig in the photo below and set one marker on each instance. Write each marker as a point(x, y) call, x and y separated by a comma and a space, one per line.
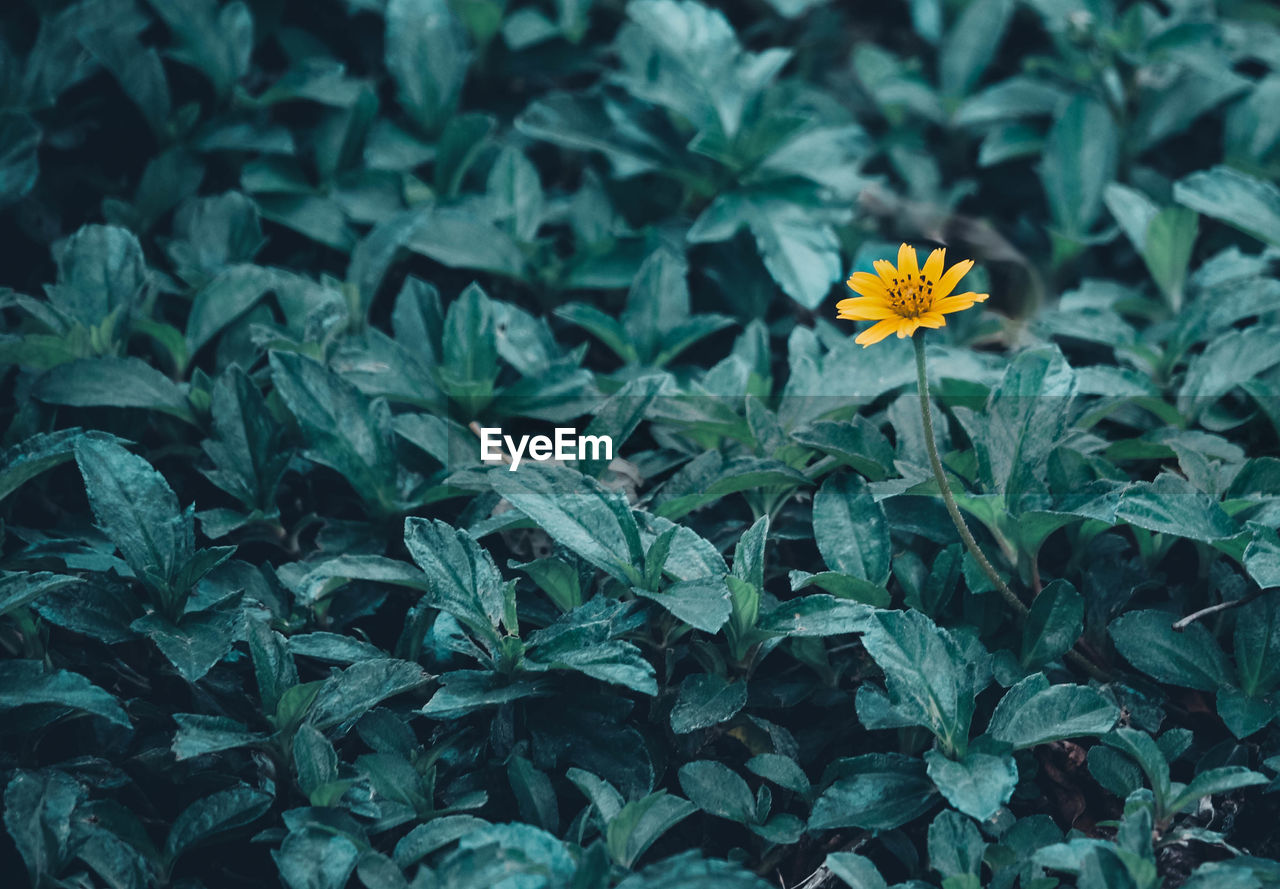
point(1214, 609)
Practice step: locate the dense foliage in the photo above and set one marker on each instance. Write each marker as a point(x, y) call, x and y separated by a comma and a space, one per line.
point(266, 616)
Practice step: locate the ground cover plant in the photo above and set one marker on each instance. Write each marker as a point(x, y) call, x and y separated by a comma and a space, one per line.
point(271, 268)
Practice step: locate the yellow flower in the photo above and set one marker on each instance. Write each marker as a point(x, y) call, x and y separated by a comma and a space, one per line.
point(907, 297)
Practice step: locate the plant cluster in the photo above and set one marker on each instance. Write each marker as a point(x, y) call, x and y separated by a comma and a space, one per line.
point(267, 617)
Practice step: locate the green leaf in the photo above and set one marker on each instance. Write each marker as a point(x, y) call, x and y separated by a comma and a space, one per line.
point(856, 871)
point(314, 759)
point(215, 40)
point(214, 815)
point(1244, 714)
point(1143, 749)
point(932, 677)
point(376, 251)
point(1026, 417)
point(1257, 645)
point(640, 823)
point(857, 443)
point(514, 183)
point(38, 811)
point(27, 684)
point(1034, 712)
point(113, 382)
point(19, 159)
point(875, 791)
point(227, 296)
point(971, 43)
point(461, 576)
point(101, 271)
point(273, 667)
point(1230, 360)
point(717, 789)
point(1190, 658)
point(956, 847)
point(459, 237)
point(800, 252)
point(579, 513)
point(470, 349)
point(1080, 157)
point(1169, 505)
point(585, 640)
point(851, 530)
point(194, 644)
point(198, 735)
point(18, 589)
point(1053, 625)
point(345, 431)
point(40, 453)
point(1238, 199)
point(692, 870)
point(213, 233)
point(316, 859)
point(137, 510)
point(816, 616)
point(1221, 780)
point(346, 696)
point(1162, 237)
point(781, 770)
point(977, 784)
point(245, 446)
point(427, 57)
point(704, 700)
point(702, 603)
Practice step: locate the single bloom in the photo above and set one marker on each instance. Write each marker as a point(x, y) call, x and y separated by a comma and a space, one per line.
point(906, 297)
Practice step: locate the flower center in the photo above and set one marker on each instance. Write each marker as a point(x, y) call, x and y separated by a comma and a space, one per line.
point(911, 296)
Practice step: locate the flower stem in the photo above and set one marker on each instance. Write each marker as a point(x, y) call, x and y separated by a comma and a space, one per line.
point(922, 380)
point(1010, 597)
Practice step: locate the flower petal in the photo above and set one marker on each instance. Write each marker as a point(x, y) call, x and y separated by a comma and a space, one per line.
point(867, 284)
point(888, 274)
point(876, 332)
point(933, 265)
point(932, 319)
point(951, 278)
point(907, 261)
point(864, 310)
point(957, 303)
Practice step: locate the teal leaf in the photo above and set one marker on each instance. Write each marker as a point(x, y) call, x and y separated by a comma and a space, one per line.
point(114, 382)
point(1238, 199)
point(579, 513)
point(704, 700)
point(1034, 712)
point(932, 676)
point(718, 790)
point(875, 791)
point(978, 784)
point(851, 530)
point(1190, 658)
point(28, 684)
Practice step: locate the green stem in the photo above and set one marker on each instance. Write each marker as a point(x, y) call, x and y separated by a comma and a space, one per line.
point(922, 380)
point(1010, 597)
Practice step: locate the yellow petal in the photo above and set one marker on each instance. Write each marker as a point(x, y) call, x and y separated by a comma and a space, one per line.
point(907, 261)
point(933, 265)
point(888, 274)
point(876, 332)
point(864, 310)
point(932, 319)
point(957, 303)
point(867, 284)
point(951, 278)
